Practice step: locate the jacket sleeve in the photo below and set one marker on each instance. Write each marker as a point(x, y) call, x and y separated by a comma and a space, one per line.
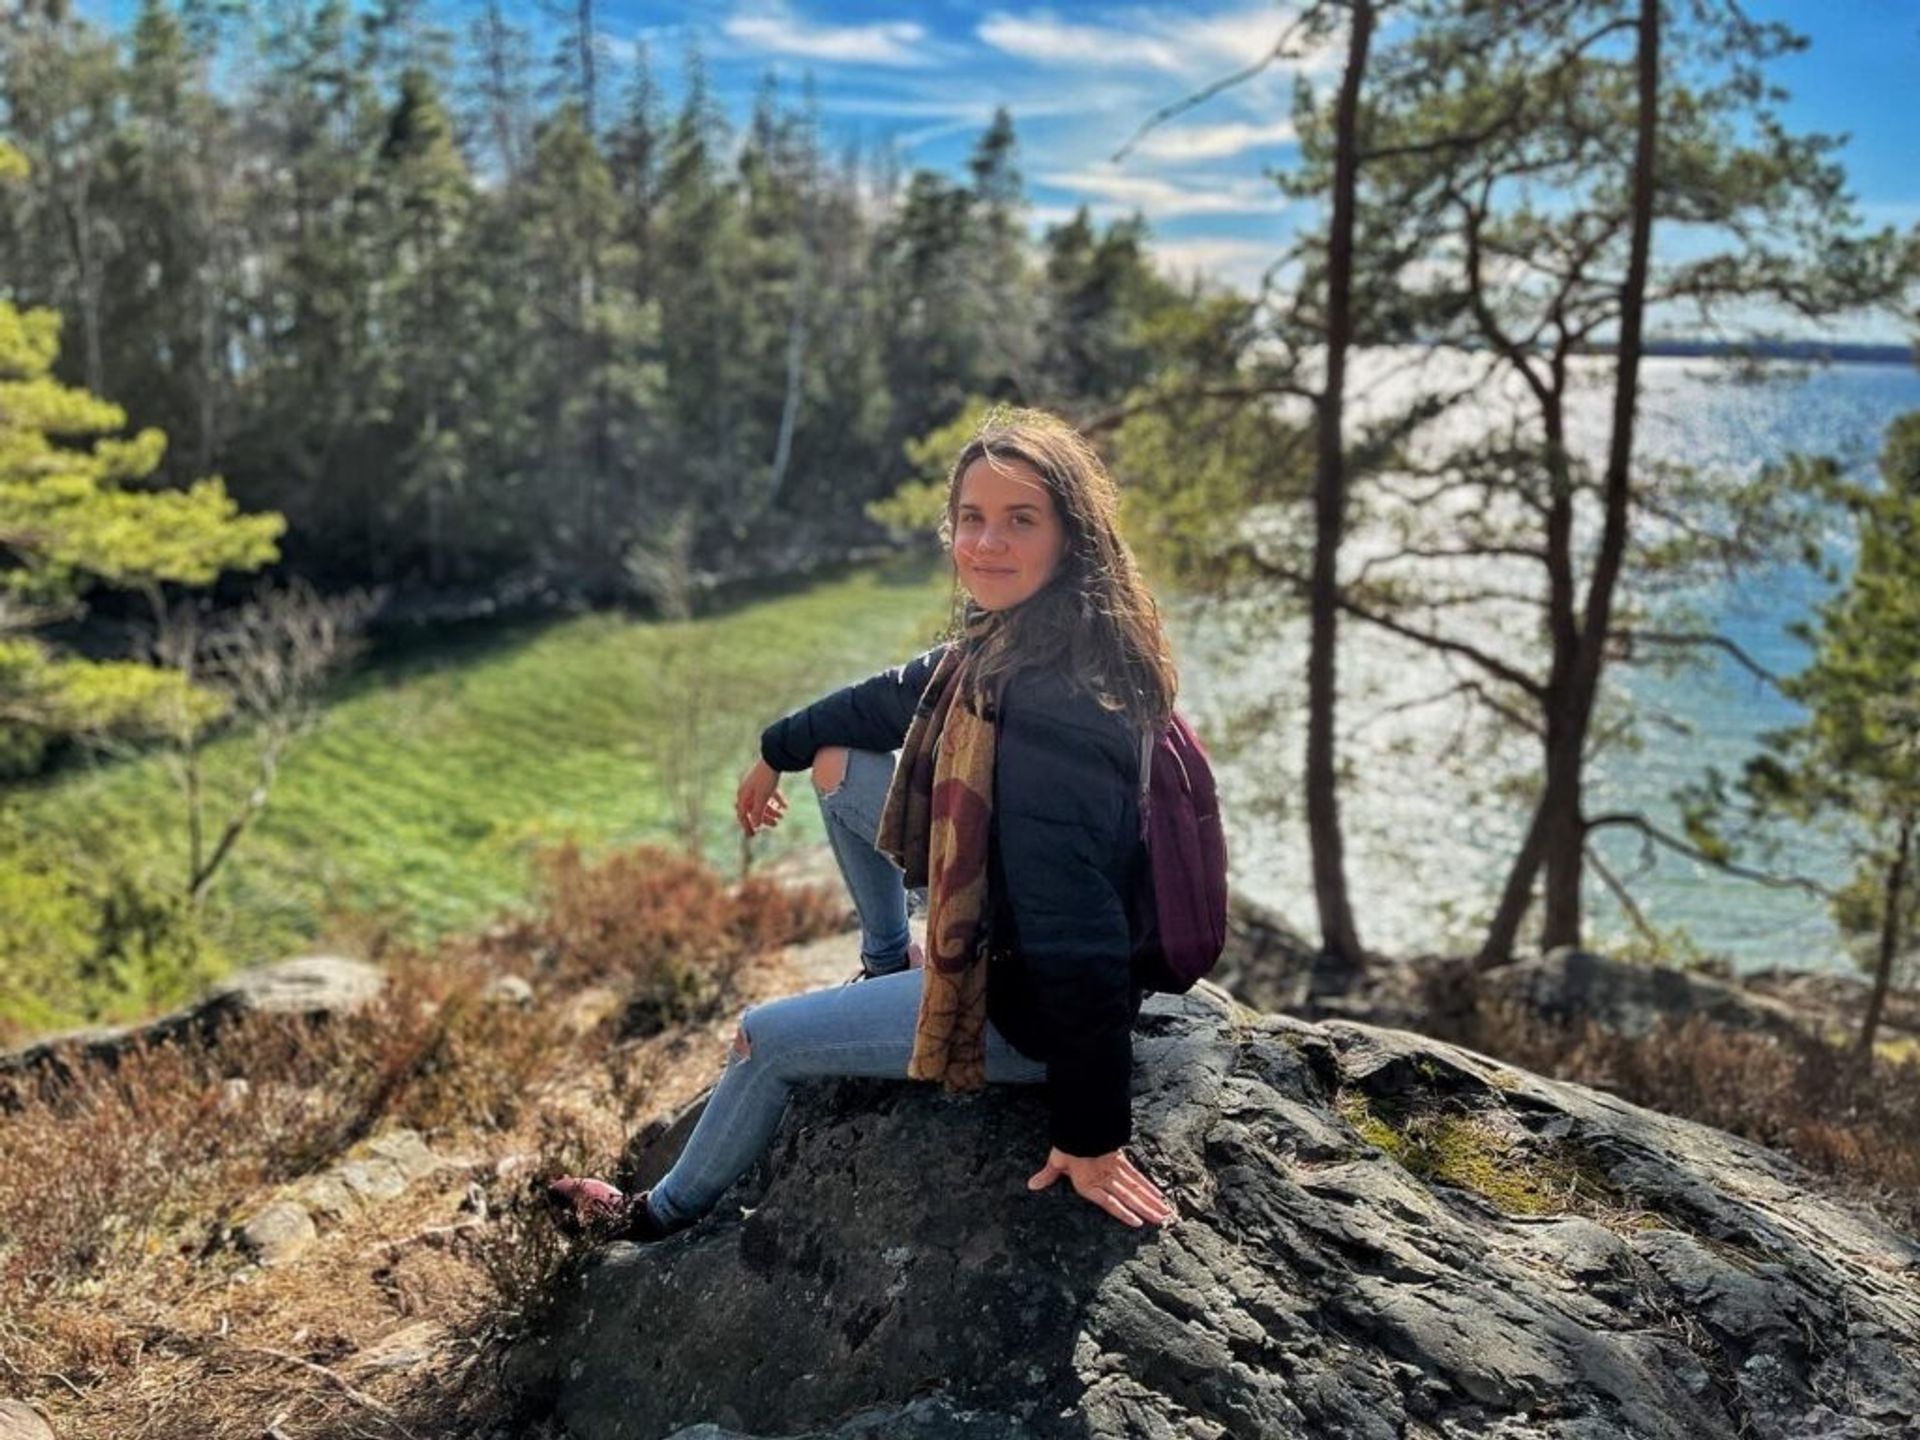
point(870, 715)
point(1059, 804)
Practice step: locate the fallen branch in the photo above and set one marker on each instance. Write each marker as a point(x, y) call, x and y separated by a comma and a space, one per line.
point(434, 1232)
point(358, 1397)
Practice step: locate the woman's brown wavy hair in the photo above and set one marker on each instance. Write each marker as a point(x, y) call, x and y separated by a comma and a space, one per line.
point(1094, 619)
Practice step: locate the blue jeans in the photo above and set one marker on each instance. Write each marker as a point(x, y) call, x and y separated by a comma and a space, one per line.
point(864, 1029)
point(851, 811)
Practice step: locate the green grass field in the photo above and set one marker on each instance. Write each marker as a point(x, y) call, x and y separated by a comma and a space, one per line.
point(439, 768)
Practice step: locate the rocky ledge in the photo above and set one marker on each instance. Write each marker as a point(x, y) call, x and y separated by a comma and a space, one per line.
point(1380, 1236)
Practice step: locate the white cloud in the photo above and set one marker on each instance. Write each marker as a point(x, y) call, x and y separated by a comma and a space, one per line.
point(1042, 216)
point(957, 108)
point(1058, 42)
point(907, 139)
point(1109, 191)
point(1240, 37)
point(1211, 142)
point(1143, 37)
point(777, 30)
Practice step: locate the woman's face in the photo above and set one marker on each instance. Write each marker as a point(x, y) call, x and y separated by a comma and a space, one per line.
point(1007, 535)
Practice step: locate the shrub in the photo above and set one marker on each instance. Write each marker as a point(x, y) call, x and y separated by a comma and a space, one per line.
point(93, 937)
point(659, 925)
point(145, 1143)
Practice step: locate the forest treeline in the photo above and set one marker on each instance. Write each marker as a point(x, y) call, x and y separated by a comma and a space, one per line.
point(458, 321)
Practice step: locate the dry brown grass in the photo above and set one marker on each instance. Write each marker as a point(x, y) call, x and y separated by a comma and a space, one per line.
point(1810, 1100)
point(129, 1312)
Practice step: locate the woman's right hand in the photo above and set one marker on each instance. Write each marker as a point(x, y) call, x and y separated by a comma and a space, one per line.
point(759, 801)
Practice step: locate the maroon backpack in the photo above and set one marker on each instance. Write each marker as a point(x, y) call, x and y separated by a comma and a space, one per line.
point(1179, 912)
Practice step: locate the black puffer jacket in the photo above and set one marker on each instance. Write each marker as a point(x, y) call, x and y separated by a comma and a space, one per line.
point(1065, 852)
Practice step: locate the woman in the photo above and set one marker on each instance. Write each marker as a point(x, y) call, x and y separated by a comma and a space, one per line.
point(1014, 805)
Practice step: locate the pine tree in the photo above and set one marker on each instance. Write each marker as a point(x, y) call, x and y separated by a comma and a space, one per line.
point(311, 355)
point(424, 315)
point(1856, 756)
point(170, 288)
point(61, 87)
point(72, 518)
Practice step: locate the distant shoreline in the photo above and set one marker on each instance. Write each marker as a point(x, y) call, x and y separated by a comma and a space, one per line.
point(1822, 351)
point(1826, 352)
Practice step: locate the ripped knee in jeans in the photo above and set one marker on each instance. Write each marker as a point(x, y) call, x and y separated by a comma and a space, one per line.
point(829, 768)
point(742, 1046)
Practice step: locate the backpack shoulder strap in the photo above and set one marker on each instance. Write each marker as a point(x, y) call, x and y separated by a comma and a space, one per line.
point(1146, 764)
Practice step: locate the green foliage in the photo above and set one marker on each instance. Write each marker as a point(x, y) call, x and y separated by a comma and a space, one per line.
point(640, 351)
point(919, 506)
point(97, 928)
point(88, 933)
point(1857, 752)
point(1192, 477)
point(45, 696)
point(68, 520)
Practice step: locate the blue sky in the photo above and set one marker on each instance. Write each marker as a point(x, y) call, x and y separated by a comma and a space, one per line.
point(1079, 81)
point(1081, 78)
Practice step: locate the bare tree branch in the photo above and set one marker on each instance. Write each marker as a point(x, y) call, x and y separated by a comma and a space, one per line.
point(1655, 835)
point(1450, 645)
point(1159, 117)
point(1613, 883)
point(1462, 552)
point(1492, 664)
point(1627, 639)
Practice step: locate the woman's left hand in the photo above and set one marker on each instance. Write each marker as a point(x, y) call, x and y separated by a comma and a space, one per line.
point(1109, 1181)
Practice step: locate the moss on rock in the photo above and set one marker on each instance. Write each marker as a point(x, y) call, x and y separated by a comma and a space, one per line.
point(1486, 1152)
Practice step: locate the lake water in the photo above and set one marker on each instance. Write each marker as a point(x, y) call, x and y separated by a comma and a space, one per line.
point(1430, 811)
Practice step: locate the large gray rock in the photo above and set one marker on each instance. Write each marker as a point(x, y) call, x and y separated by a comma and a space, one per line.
point(303, 985)
point(1630, 998)
point(316, 985)
point(373, 1171)
point(278, 1233)
point(931, 1417)
point(887, 1250)
point(20, 1421)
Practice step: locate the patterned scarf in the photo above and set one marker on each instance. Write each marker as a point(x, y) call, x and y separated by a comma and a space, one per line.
point(935, 824)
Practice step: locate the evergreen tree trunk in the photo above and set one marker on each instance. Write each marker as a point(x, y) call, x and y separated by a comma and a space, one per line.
point(1563, 839)
point(1338, 935)
point(1889, 940)
point(1566, 834)
point(1556, 838)
point(1516, 895)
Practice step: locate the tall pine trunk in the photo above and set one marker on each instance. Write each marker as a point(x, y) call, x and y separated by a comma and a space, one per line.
point(1896, 894)
point(1338, 934)
point(1556, 836)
